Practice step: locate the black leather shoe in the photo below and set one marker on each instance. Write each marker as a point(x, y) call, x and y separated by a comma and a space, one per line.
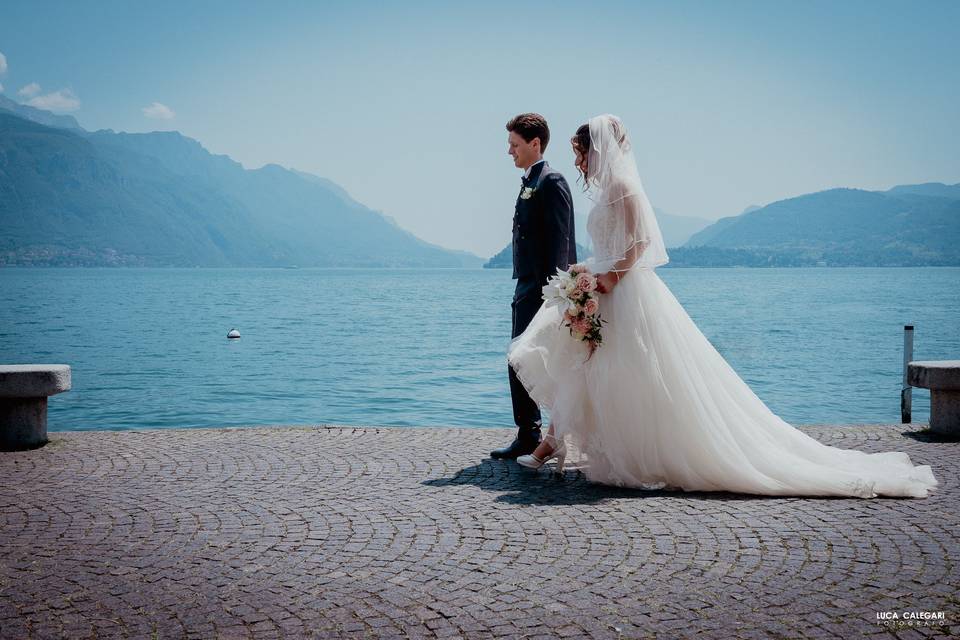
point(519, 447)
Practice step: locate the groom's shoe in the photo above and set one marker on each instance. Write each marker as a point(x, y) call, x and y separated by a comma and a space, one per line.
point(521, 446)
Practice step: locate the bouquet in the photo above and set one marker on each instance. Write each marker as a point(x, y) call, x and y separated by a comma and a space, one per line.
point(574, 292)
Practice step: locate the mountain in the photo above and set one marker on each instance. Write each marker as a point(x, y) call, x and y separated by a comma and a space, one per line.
point(704, 236)
point(907, 225)
point(676, 229)
point(936, 189)
point(38, 115)
point(69, 197)
point(504, 259)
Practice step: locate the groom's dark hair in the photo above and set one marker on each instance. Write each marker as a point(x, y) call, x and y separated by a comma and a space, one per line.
point(529, 126)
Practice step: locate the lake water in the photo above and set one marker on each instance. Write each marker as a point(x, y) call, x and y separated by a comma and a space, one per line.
point(148, 347)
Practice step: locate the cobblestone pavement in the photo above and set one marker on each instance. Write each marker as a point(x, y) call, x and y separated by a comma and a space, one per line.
point(399, 532)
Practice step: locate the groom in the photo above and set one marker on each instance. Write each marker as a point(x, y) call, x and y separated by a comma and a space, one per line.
point(543, 239)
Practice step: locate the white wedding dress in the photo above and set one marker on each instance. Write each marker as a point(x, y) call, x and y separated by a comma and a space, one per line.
point(657, 406)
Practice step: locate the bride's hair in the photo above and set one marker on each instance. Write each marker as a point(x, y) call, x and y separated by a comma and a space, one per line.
point(581, 140)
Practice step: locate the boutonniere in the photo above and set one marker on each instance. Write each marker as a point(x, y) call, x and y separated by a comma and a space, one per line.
point(526, 193)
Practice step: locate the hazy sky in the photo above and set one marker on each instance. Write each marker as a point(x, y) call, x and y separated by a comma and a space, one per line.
point(404, 104)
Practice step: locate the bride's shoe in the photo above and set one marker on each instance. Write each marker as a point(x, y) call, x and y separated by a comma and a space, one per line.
point(533, 462)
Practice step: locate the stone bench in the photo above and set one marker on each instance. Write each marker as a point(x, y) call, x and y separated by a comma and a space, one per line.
point(942, 377)
point(24, 389)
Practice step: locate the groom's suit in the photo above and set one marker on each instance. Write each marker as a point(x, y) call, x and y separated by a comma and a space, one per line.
point(543, 239)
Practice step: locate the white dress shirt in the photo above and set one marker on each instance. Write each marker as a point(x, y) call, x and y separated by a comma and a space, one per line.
point(526, 174)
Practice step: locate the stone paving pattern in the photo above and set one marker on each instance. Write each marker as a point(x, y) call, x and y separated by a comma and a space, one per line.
point(320, 532)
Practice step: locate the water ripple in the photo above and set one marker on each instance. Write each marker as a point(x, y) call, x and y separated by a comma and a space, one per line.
point(148, 347)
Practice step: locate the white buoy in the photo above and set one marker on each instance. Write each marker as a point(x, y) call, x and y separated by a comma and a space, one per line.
point(233, 334)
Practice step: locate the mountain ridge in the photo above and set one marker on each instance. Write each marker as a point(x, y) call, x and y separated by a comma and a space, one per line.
point(904, 225)
point(74, 197)
point(907, 225)
point(77, 198)
point(39, 115)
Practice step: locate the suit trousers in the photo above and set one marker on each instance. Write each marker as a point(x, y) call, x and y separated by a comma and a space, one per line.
point(526, 301)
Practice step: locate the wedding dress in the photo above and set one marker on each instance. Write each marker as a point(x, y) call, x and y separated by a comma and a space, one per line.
point(656, 406)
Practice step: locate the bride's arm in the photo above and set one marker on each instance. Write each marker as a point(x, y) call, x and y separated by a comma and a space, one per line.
point(609, 279)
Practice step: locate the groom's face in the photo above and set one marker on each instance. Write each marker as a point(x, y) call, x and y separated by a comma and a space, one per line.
point(524, 153)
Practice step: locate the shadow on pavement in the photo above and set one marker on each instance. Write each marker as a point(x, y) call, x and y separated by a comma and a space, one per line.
point(523, 486)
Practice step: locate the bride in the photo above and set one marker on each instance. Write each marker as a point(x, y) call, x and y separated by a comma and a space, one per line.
point(656, 406)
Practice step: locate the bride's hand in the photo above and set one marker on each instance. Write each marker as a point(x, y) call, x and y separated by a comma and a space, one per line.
point(606, 282)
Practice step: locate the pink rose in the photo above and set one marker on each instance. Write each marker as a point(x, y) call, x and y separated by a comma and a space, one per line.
point(586, 282)
point(582, 326)
point(591, 306)
point(579, 268)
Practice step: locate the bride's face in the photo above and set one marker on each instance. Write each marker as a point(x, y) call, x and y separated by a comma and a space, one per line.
point(580, 160)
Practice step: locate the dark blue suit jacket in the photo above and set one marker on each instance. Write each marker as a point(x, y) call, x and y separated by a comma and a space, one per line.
point(543, 233)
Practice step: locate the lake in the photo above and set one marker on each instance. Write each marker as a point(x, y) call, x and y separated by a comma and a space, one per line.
point(148, 347)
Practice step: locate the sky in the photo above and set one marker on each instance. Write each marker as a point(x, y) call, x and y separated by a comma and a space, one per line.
point(729, 104)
